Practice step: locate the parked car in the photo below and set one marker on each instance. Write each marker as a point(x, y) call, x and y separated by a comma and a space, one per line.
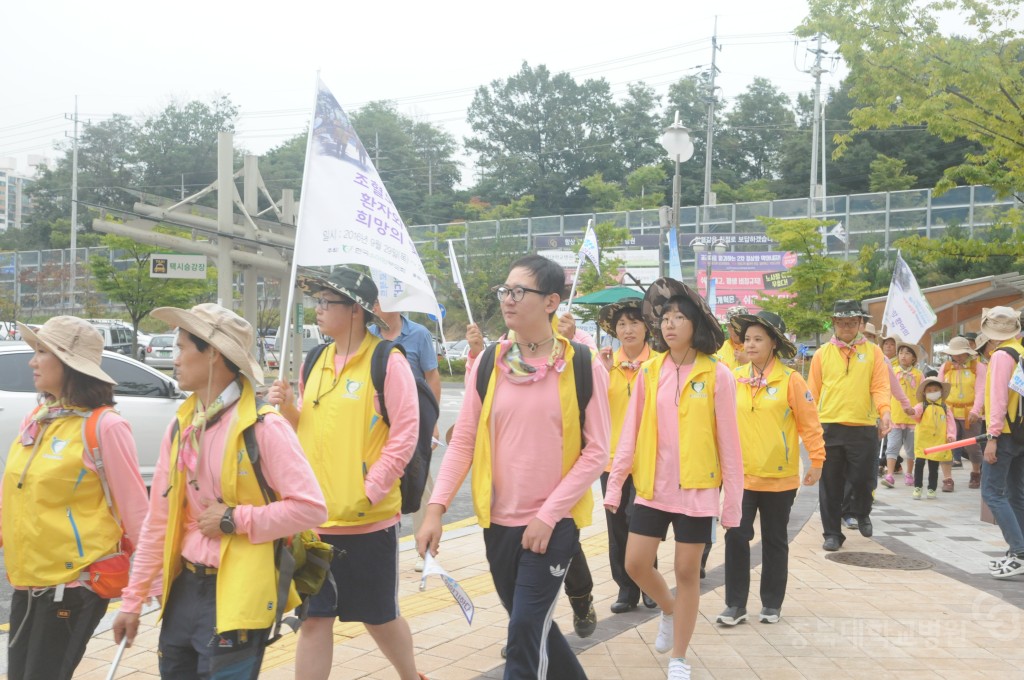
point(147, 398)
point(311, 337)
point(159, 353)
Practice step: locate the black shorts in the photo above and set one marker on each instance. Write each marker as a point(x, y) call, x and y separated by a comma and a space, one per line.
point(648, 521)
point(365, 569)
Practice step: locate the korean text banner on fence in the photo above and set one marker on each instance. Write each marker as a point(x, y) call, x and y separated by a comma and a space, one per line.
point(741, 278)
point(347, 216)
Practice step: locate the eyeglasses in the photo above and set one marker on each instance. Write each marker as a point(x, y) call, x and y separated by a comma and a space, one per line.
point(673, 320)
point(846, 323)
point(325, 304)
point(517, 293)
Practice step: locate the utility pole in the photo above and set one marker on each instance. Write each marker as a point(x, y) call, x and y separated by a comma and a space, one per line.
point(715, 49)
point(74, 210)
point(816, 71)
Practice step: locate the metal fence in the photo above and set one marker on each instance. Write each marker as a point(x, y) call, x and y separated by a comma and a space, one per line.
point(37, 280)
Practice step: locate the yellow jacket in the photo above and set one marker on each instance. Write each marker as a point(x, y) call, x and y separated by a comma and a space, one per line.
point(768, 428)
point(247, 577)
point(699, 467)
point(1014, 398)
point(620, 388)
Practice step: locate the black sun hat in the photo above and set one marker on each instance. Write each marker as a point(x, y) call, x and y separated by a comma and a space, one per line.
point(349, 283)
point(845, 309)
point(775, 326)
point(663, 290)
point(606, 316)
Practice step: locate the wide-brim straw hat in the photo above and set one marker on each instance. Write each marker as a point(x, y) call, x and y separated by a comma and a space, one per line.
point(916, 349)
point(932, 381)
point(663, 290)
point(606, 315)
point(958, 346)
point(771, 322)
point(1000, 323)
point(348, 283)
point(74, 341)
point(229, 333)
point(869, 329)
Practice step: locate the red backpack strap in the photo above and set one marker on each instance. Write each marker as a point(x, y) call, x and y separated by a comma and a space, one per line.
point(91, 438)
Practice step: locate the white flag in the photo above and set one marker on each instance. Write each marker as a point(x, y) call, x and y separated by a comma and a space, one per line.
point(907, 312)
point(431, 567)
point(346, 215)
point(395, 296)
point(590, 248)
point(840, 233)
point(456, 272)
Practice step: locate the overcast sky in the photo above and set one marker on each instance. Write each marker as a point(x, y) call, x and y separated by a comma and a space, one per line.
point(135, 57)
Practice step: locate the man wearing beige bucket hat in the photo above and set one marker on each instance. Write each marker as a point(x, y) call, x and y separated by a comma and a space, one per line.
point(68, 503)
point(966, 375)
point(1002, 474)
point(210, 531)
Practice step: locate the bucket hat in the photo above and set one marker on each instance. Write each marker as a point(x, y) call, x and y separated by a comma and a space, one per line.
point(932, 381)
point(869, 329)
point(916, 349)
point(222, 328)
point(735, 311)
point(1000, 323)
point(663, 290)
point(606, 316)
point(348, 283)
point(775, 326)
point(847, 309)
point(74, 341)
point(959, 345)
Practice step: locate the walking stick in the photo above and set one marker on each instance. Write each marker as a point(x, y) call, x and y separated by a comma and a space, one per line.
point(117, 658)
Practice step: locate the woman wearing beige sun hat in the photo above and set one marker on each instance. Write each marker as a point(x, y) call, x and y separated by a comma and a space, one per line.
point(966, 375)
point(62, 537)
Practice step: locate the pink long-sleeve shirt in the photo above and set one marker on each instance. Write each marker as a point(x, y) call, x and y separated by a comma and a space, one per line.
point(300, 503)
point(978, 408)
point(404, 414)
point(526, 444)
point(121, 464)
point(1001, 367)
point(668, 496)
point(896, 388)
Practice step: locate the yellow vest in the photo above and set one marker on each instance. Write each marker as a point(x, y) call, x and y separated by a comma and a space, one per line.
point(962, 382)
point(898, 416)
point(931, 431)
point(845, 395)
point(1014, 401)
point(572, 441)
point(58, 522)
point(768, 433)
point(699, 466)
point(246, 577)
point(620, 389)
point(727, 352)
point(344, 435)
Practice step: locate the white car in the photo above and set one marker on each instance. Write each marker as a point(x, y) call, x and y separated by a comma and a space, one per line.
point(159, 353)
point(147, 398)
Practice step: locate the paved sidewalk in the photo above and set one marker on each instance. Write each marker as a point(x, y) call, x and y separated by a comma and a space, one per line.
point(949, 621)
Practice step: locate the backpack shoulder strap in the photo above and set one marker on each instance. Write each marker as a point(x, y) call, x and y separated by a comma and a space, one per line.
point(484, 368)
point(379, 371)
point(581, 368)
point(94, 449)
point(1011, 351)
point(252, 447)
point(310, 361)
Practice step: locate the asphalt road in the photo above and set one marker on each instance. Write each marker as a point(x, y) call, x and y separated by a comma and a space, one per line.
point(462, 507)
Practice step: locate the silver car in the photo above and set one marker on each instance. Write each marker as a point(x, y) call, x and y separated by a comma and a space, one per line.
point(147, 398)
point(160, 351)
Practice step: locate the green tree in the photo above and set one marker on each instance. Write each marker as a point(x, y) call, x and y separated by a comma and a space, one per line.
point(757, 125)
point(818, 280)
point(541, 133)
point(645, 188)
point(905, 70)
point(637, 128)
point(689, 96)
point(609, 235)
point(890, 174)
point(133, 287)
point(604, 196)
point(755, 190)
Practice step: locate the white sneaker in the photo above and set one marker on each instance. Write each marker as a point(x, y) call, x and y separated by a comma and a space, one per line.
point(678, 669)
point(419, 566)
point(663, 643)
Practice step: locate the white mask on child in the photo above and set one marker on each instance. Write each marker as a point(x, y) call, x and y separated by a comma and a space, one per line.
point(933, 395)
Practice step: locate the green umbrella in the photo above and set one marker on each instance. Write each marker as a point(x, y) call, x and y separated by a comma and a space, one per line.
point(608, 296)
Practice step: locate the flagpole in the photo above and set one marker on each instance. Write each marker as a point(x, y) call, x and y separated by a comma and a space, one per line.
point(575, 278)
point(885, 310)
point(458, 280)
point(285, 326)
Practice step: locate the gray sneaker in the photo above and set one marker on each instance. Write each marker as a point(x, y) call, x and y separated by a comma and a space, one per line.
point(769, 615)
point(850, 522)
point(732, 616)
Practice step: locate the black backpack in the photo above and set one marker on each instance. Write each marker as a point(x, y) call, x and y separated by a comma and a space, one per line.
point(1016, 420)
point(414, 479)
point(580, 367)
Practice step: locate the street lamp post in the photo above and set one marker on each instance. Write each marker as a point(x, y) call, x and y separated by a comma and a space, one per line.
point(676, 141)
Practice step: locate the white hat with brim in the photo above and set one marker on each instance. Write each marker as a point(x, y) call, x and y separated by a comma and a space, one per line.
point(958, 346)
point(869, 329)
point(916, 349)
point(932, 381)
point(1000, 323)
point(74, 341)
point(221, 328)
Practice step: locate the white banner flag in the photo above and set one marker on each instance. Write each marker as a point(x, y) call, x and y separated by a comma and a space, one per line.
point(395, 296)
point(431, 567)
point(347, 216)
point(456, 272)
point(590, 248)
point(907, 312)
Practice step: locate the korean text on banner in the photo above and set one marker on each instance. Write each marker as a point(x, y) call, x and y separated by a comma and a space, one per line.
point(907, 312)
point(431, 567)
point(347, 216)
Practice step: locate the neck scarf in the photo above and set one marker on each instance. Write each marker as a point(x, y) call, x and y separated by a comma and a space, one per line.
point(907, 374)
point(189, 450)
point(859, 340)
point(518, 370)
point(633, 366)
point(47, 413)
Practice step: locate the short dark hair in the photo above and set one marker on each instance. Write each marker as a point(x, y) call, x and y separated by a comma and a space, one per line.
point(85, 391)
point(703, 337)
point(633, 313)
point(549, 274)
point(203, 345)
